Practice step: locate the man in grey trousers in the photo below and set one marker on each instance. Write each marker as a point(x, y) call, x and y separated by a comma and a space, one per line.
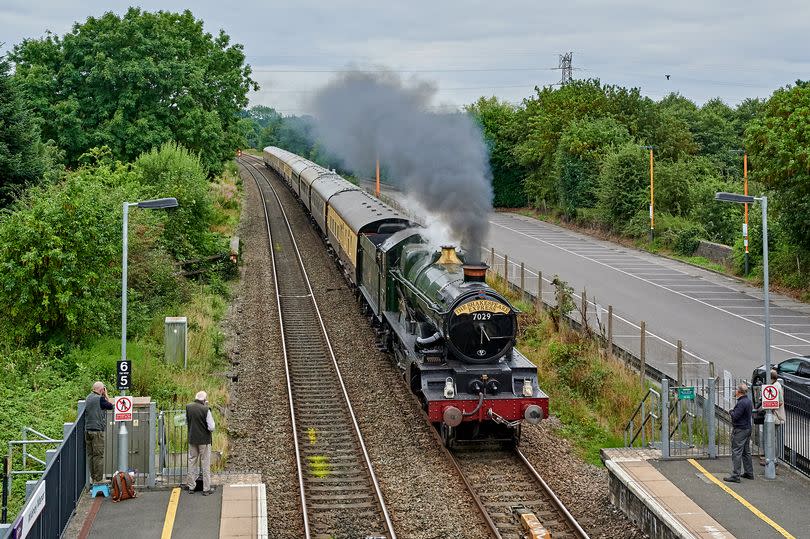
point(741, 436)
point(200, 423)
point(95, 423)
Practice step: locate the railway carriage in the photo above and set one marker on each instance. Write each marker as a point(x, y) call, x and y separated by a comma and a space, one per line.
point(451, 334)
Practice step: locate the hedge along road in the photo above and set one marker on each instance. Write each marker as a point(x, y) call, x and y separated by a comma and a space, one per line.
point(718, 319)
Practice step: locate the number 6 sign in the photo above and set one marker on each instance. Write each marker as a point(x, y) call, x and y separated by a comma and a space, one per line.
point(124, 374)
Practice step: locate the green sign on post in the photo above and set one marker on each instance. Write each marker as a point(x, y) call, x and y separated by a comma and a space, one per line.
point(686, 393)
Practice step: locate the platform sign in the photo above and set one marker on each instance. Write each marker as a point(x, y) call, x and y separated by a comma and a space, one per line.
point(770, 396)
point(686, 393)
point(123, 408)
point(124, 374)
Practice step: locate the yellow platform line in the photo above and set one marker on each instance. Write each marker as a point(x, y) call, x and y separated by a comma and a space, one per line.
point(742, 500)
point(171, 512)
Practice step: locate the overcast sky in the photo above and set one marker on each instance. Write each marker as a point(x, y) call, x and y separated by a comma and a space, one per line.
point(727, 49)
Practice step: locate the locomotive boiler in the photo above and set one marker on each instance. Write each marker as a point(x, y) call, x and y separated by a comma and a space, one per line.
point(452, 335)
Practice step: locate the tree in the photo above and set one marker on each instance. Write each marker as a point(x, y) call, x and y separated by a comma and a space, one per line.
point(579, 158)
point(21, 152)
point(778, 143)
point(624, 184)
point(498, 120)
point(134, 82)
point(542, 120)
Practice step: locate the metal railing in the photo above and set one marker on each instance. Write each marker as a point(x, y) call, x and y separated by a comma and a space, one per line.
point(642, 427)
point(52, 498)
point(172, 446)
point(793, 437)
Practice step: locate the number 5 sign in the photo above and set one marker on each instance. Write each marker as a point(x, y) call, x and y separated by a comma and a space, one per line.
point(124, 374)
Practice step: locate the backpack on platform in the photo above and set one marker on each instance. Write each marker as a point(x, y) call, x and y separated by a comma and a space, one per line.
point(122, 487)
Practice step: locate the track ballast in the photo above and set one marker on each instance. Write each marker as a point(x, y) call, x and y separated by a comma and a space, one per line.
point(340, 496)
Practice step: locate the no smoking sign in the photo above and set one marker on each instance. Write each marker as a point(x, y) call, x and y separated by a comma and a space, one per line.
point(123, 408)
point(770, 396)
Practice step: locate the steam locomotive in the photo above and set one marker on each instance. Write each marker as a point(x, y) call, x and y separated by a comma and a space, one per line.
point(452, 336)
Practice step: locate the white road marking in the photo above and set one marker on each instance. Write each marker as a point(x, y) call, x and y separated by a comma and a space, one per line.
point(762, 325)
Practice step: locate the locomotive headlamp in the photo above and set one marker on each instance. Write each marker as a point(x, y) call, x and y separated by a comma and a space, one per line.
point(475, 387)
point(493, 387)
point(528, 390)
point(449, 388)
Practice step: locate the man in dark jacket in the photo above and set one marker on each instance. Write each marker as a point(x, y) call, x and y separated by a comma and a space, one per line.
point(741, 436)
point(200, 423)
point(95, 423)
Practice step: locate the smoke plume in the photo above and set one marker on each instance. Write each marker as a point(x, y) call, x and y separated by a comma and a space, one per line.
point(439, 160)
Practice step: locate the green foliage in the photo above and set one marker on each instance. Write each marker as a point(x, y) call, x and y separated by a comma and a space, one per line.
point(174, 171)
point(579, 157)
point(778, 142)
point(22, 155)
point(722, 221)
point(542, 120)
point(135, 81)
point(679, 234)
point(624, 184)
point(498, 121)
point(60, 257)
point(564, 304)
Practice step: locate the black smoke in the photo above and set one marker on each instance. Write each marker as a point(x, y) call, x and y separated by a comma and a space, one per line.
point(438, 159)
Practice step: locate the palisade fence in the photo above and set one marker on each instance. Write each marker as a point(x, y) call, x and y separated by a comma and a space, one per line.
point(51, 499)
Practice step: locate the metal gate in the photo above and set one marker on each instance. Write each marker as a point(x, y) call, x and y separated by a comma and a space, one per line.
point(689, 420)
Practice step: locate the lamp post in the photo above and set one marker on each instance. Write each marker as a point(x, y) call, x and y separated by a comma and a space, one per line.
point(157, 204)
point(770, 460)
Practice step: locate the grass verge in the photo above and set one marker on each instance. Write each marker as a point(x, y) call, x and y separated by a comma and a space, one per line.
point(590, 392)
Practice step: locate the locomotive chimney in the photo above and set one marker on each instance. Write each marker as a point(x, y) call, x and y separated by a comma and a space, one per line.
point(475, 273)
point(448, 255)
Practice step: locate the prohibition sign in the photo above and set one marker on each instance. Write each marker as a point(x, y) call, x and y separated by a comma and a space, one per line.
point(770, 396)
point(123, 408)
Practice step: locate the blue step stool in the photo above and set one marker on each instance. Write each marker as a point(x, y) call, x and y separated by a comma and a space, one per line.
point(102, 488)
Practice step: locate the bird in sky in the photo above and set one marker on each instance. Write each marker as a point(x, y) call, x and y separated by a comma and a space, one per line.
point(667, 76)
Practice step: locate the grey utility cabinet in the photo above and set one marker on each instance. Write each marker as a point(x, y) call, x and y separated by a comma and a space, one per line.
point(175, 331)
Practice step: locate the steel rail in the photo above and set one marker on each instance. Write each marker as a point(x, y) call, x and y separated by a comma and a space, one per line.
point(555, 500)
point(301, 489)
point(327, 341)
point(557, 504)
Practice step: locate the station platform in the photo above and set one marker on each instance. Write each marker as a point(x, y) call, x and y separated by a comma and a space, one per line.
point(687, 498)
point(236, 509)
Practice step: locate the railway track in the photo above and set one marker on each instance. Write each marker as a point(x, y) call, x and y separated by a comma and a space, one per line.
point(340, 495)
point(500, 479)
point(504, 483)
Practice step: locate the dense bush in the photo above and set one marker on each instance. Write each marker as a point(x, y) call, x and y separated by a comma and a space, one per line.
point(678, 233)
point(624, 184)
point(173, 171)
point(579, 157)
point(60, 255)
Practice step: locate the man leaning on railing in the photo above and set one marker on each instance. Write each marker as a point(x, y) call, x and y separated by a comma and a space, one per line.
point(96, 404)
